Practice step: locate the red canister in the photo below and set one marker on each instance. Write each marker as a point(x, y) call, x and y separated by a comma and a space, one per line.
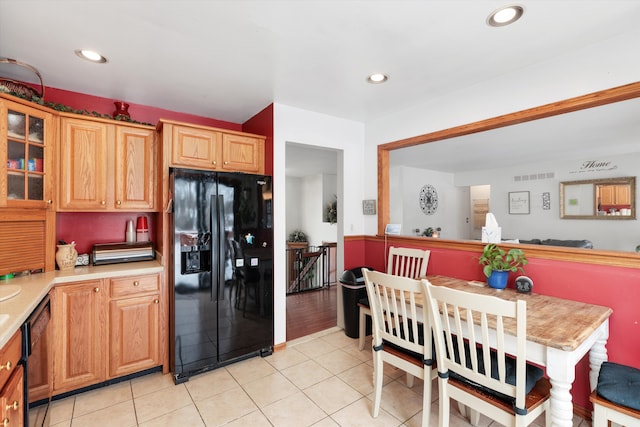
point(142, 229)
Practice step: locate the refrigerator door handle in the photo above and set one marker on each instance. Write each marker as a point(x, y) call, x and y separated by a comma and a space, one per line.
point(219, 221)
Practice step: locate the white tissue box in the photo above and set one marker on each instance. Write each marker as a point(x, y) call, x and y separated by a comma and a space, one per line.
point(491, 234)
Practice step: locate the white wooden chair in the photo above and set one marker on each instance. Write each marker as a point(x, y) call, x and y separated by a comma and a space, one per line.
point(617, 396)
point(485, 380)
point(607, 413)
point(405, 262)
point(401, 333)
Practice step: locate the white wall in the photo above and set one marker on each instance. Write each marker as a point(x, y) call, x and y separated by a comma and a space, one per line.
point(293, 212)
point(496, 184)
point(547, 224)
point(592, 68)
point(404, 199)
point(312, 207)
point(307, 206)
point(306, 127)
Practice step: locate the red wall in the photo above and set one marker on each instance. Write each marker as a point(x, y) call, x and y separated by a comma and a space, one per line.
point(614, 287)
point(140, 113)
point(262, 124)
point(89, 228)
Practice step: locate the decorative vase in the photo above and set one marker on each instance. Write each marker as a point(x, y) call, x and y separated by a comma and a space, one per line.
point(66, 256)
point(122, 109)
point(498, 279)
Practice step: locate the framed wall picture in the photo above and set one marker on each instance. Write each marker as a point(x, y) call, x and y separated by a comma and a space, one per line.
point(546, 201)
point(369, 207)
point(519, 202)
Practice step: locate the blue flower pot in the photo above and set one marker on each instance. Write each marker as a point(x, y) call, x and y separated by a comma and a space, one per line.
point(498, 279)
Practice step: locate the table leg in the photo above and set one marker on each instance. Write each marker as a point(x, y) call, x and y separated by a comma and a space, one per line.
point(597, 355)
point(561, 372)
point(561, 405)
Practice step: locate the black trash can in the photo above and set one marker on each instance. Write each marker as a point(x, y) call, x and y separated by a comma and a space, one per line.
point(353, 290)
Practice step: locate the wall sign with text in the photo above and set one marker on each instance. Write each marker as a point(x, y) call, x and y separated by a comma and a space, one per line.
point(519, 202)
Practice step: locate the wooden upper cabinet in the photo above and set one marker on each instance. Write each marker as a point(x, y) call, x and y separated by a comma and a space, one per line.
point(106, 166)
point(135, 168)
point(195, 147)
point(83, 164)
point(27, 136)
point(202, 147)
point(242, 153)
point(623, 194)
point(614, 194)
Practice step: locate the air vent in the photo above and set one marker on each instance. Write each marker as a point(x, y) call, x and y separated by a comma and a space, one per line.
point(534, 176)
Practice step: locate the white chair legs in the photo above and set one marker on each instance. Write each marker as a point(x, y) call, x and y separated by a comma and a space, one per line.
point(362, 331)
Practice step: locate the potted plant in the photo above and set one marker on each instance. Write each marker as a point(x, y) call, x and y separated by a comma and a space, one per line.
point(498, 263)
point(431, 232)
point(332, 211)
point(297, 236)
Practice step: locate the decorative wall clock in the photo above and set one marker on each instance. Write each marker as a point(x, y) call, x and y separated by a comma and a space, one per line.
point(428, 199)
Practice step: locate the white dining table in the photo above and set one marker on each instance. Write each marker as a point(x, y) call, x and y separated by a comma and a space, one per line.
point(559, 334)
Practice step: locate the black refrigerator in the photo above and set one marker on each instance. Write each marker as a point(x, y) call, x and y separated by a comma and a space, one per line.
point(221, 281)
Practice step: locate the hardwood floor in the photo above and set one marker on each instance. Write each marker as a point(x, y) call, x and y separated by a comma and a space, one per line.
point(311, 311)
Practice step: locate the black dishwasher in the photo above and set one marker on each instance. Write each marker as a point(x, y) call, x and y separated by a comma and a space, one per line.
point(36, 358)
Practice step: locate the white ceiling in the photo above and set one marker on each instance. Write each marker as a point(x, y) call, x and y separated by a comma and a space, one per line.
point(230, 59)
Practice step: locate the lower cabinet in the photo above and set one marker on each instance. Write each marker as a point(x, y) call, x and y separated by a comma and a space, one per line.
point(134, 318)
point(12, 400)
point(12, 403)
point(79, 330)
point(104, 329)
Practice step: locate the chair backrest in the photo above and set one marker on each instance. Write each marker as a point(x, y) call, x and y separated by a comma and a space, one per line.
point(482, 364)
point(408, 262)
point(397, 311)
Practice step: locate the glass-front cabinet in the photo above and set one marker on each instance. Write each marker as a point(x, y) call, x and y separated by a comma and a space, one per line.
point(26, 138)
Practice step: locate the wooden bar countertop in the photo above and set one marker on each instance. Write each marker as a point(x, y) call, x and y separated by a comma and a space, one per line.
point(554, 322)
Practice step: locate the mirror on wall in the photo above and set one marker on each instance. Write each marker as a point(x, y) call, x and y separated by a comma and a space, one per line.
point(591, 138)
point(607, 199)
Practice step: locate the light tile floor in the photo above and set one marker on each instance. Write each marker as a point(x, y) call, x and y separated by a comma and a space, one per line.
point(321, 380)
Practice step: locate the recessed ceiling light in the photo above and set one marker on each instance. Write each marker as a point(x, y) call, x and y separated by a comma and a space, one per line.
point(377, 78)
point(505, 16)
point(90, 55)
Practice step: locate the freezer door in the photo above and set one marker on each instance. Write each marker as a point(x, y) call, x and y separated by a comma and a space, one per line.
point(245, 322)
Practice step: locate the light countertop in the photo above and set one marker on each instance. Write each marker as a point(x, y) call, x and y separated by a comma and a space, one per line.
point(36, 286)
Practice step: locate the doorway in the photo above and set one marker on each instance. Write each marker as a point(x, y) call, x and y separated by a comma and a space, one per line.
point(313, 185)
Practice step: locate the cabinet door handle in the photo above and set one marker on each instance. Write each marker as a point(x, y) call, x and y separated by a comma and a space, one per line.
point(156, 301)
point(5, 422)
point(118, 202)
point(49, 202)
point(15, 405)
point(102, 202)
point(96, 289)
point(226, 163)
point(136, 283)
point(6, 366)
